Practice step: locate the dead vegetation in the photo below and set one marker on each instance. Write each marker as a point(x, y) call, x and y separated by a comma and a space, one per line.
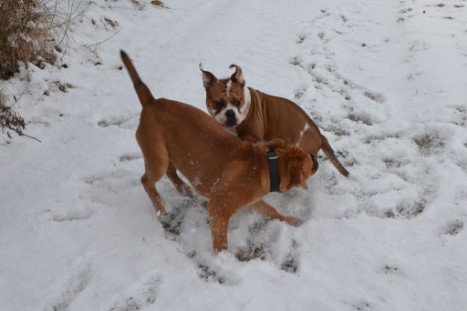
point(10, 121)
point(31, 32)
point(28, 31)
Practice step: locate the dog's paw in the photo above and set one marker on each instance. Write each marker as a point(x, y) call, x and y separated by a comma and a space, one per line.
point(296, 222)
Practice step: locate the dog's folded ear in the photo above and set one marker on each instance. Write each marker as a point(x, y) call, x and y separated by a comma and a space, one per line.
point(237, 76)
point(275, 143)
point(297, 177)
point(208, 78)
point(297, 164)
point(298, 171)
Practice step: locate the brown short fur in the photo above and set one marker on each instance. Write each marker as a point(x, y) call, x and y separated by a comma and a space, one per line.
point(263, 117)
point(231, 173)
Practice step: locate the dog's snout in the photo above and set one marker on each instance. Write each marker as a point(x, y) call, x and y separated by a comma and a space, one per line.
point(231, 118)
point(230, 114)
point(315, 163)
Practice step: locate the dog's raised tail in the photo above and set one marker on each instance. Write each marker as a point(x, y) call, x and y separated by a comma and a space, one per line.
point(329, 152)
point(144, 94)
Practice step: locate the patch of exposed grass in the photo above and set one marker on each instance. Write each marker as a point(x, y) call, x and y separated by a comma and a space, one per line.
point(301, 39)
point(158, 3)
point(428, 143)
point(112, 23)
point(295, 61)
point(359, 119)
point(251, 252)
point(338, 131)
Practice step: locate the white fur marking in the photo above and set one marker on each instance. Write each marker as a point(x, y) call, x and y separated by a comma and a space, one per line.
point(247, 99)
point(222, 119)
point(240, 114)
point(305, 128)
point(227, 88)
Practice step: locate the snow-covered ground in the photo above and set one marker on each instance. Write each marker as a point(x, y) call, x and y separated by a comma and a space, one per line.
point(385, 80)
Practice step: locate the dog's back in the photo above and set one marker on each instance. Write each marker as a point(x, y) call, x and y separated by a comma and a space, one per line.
point(170, 131)
point(302, 132)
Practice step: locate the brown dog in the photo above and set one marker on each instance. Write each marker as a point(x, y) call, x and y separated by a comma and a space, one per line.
point(231, 173)
point(256, 117)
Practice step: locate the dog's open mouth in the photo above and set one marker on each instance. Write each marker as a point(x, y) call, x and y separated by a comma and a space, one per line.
point(230, 123)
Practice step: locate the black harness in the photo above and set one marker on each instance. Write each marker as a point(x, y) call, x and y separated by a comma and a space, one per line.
point(274, 175)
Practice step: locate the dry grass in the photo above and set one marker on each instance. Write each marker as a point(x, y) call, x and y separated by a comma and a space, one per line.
point(10, 121)
point(32, 31)
point(157, 3)
point(23, 35)
point(428, 143)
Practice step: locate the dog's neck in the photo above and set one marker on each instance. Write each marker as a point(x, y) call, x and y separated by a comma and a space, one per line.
point(254, 127)
point(274, 174)
point(247, 97)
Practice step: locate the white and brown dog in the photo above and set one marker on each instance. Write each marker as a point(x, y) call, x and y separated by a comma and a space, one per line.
point(257, 117)
point(231, 173)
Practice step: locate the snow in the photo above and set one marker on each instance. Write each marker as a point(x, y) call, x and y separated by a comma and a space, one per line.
point(385, 81)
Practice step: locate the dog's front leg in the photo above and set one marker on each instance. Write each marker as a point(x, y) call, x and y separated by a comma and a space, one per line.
point(271, 213)
point(219, 217)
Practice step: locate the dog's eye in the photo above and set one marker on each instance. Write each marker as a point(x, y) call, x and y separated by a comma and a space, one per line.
point(219, 104)
point(237, 103)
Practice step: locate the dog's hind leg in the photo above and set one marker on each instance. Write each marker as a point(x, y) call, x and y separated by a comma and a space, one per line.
point(271, 213)
point(149, 185)
point(154, 168)
point(179, 184)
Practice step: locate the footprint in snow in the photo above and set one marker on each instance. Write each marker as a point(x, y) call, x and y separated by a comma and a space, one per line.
point(78, 282)
point(114, 181)
point(453, 227)
point(146, 297)
point(126, 157)
point(124, 122)
point(72, 213)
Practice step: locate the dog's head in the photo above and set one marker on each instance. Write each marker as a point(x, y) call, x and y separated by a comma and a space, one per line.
point(295, 165)
point(228, 100)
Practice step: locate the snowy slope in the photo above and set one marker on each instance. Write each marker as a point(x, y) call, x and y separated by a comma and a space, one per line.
point(386, 81)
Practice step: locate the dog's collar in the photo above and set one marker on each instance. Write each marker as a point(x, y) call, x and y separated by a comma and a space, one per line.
point(274, 176)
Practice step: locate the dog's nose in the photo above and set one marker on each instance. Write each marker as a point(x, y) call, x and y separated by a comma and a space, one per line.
point(231, 119)
point(230, 114)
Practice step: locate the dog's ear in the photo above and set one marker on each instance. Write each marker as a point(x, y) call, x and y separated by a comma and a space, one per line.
point(237, 76)
point(297, 176)
point(299, 169)
point(208, 78)
point(275, 143)
point(298, 165)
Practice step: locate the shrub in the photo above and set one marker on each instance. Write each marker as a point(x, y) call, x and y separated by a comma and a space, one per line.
point(27, 33)
point(10, 121)
point(31, 31)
